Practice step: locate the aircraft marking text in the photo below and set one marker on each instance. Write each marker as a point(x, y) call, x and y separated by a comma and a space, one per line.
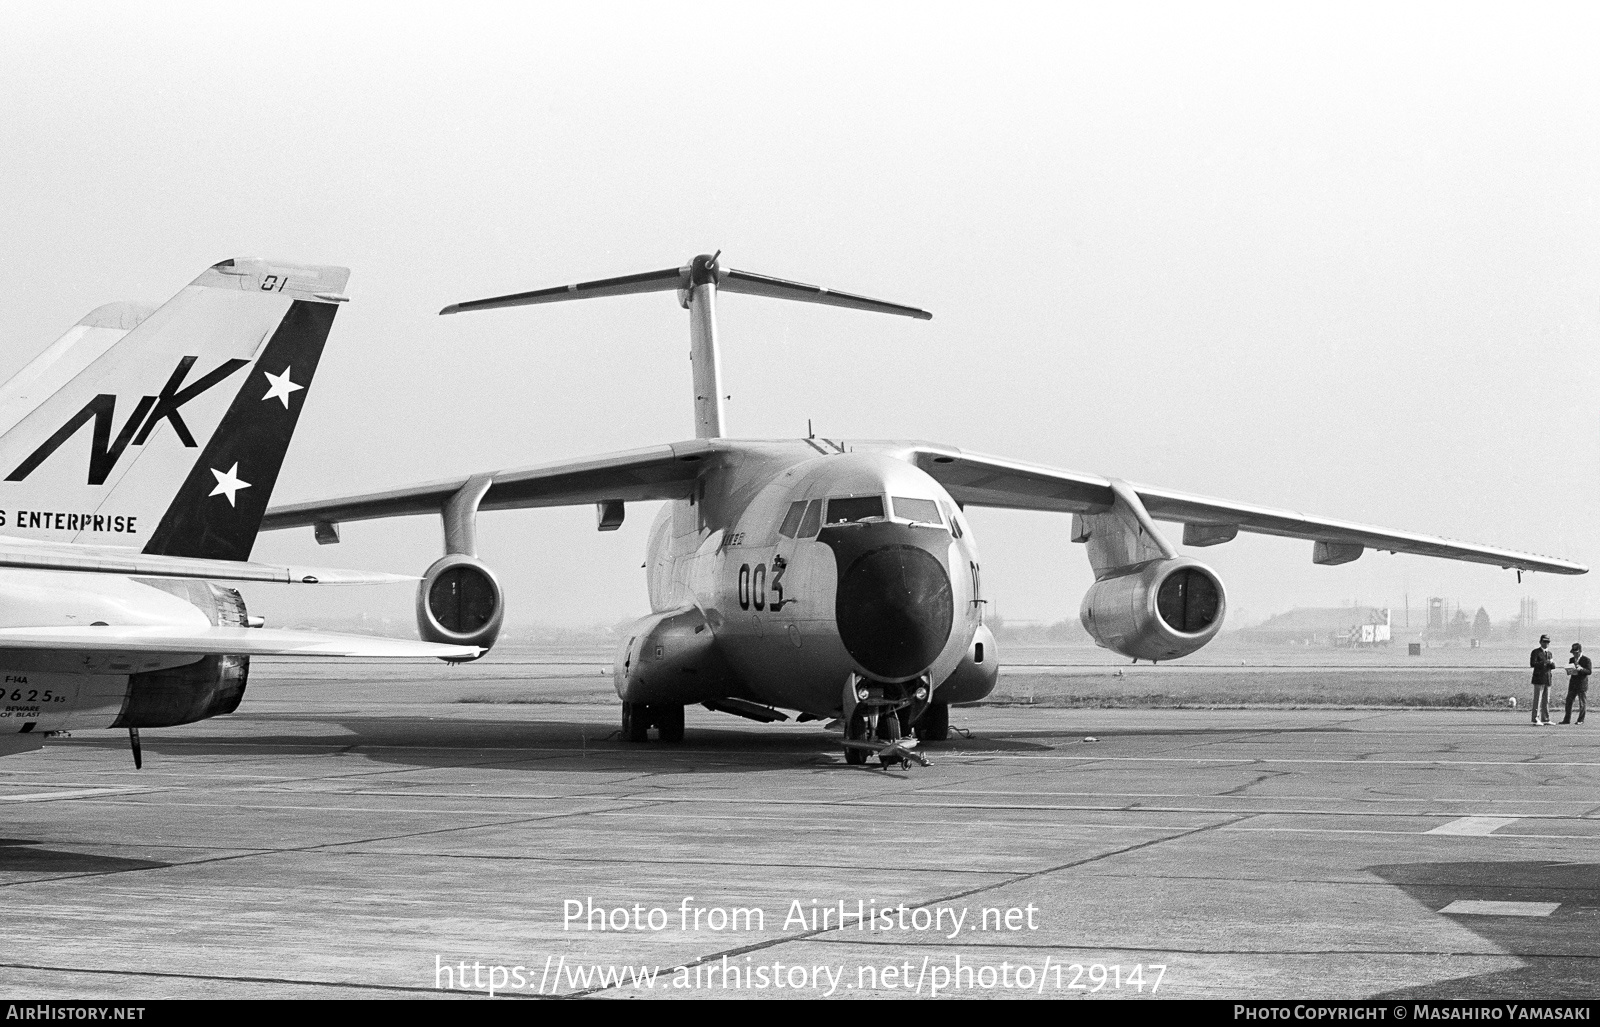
point(56, 520)
point(147, 413)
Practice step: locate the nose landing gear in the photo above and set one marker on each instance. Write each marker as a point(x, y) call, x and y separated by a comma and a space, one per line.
point(873, 722)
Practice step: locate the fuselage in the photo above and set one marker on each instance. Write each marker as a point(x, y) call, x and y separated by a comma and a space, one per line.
point(811, 565)
point(44, 690)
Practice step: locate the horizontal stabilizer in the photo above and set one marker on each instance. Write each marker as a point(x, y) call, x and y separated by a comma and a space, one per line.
point(628, 285)
point(700, 271)
point(778, 289)
point(25, 554)
point(235, 641)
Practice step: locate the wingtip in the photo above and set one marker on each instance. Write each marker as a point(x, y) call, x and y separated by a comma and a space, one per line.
point(454, 308)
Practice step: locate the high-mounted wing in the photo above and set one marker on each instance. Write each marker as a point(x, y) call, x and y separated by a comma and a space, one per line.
point(26, 554)
point(235, 641)
point(661, 472)
point(978, 480)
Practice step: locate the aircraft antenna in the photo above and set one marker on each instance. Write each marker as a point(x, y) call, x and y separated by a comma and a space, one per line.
point(697, 284)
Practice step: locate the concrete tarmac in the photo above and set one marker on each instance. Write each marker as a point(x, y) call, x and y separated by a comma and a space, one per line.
point(363, 832)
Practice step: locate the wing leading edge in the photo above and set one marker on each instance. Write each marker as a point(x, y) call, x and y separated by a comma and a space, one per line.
point(979, 480)
point(661, 472)
point(228, 641)
point(669, 472)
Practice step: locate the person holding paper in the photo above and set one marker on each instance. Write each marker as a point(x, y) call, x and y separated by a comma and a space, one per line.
point(1578, 670)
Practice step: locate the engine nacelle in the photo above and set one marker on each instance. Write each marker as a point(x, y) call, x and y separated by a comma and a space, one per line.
point(459, 602)
point(1160, 611)
point(210, 687)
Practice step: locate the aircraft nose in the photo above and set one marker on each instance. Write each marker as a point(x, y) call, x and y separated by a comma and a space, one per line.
point(895, 610)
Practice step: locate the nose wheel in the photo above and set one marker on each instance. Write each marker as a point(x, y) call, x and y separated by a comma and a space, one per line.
point(873, 729)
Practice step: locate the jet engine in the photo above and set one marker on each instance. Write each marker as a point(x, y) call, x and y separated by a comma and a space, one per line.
point(1158, 611)
point(209, 687)
point(459, 602)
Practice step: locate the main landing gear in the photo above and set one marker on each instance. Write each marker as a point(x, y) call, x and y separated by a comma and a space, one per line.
point(638, 718)
point(934, 724)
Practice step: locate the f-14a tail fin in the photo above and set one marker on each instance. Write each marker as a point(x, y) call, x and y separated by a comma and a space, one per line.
point(165, 430)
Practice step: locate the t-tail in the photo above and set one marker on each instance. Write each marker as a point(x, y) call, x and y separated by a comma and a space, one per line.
point(165, 430)
point(697, 284)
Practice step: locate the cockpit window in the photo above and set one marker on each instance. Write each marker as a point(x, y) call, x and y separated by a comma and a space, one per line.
point(791, 520)
point(855, 508)
point(924, 510)
point(955, 522)
point(812, 521)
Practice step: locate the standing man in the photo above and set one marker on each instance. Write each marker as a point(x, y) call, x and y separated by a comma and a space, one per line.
point(1578, 670)
point(1542, 663)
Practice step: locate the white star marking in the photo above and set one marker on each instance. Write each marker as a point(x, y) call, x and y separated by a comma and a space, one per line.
point(228, 483)
point(282, 385)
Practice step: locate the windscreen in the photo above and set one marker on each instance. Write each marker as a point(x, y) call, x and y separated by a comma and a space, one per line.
point(811, 523)
point(924, 510)
point(791, 520)
point(855, 508)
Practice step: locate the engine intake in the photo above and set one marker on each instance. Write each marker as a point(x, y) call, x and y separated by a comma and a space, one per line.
point(1163, 610)
point(459, 602)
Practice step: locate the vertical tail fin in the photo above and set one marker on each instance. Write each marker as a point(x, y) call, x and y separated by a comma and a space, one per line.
point(85, 342)
point(222, 368)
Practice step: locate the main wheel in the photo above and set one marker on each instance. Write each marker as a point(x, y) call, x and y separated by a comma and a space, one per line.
point(934, 724)
point(669, 722)
point(635, 722)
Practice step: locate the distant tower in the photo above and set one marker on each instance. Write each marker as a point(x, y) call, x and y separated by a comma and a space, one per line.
point(1436, 614)
point(1530, 612)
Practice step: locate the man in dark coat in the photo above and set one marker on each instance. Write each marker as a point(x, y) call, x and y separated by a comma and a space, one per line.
point(1578, 670)
point(1542, 663)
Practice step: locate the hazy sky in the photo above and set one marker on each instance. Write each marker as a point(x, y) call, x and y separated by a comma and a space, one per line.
point(1339, 258)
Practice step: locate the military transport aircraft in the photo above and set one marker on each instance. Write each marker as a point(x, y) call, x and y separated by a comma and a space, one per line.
point(113, 532)
point(836, 579)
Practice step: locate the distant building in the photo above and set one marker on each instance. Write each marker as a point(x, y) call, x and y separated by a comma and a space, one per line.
point(1342, 626)
point(1481, 628)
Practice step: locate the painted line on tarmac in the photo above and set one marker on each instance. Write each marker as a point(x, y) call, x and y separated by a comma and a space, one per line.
point(1243, 760)
point(606, 805)
point(1408, 834)
point(1475, 827)
point(1482, 907)
point(78, 793)
point(1365, 799)
point(681, 755)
